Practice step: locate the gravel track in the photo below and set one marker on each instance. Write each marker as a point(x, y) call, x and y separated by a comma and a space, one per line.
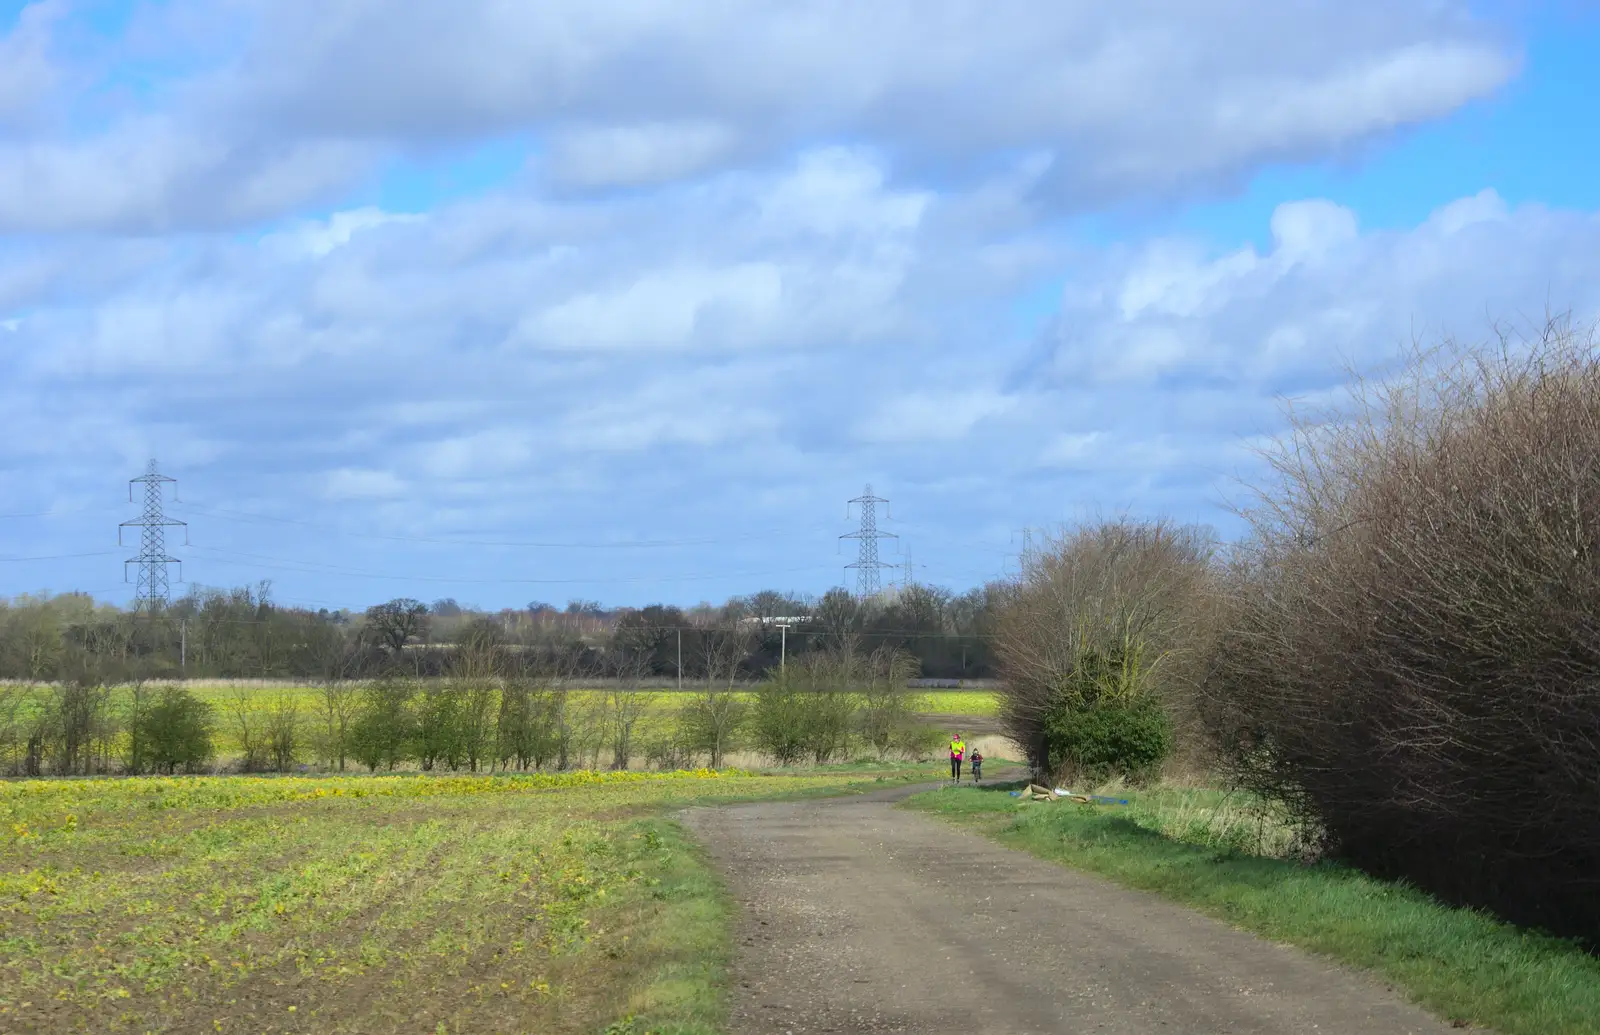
point(856, 916)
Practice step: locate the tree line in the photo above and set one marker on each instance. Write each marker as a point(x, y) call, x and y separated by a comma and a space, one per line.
point(495, 709)
point(242, 633)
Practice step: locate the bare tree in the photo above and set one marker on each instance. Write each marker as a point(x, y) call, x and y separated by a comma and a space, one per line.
point(340, 700)
point(397, 623)
point(281, 731)
point(137, 753)
point(249, 726)
point(477, 669)
point(888, 708)
point(80, 722)
point(1090, 591)
point(627, 705)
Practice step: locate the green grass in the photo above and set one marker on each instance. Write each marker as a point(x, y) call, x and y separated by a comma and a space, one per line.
point(1464, 966)
point(556, 903)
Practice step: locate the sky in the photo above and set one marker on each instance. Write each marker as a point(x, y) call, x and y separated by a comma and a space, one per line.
point(625, 301)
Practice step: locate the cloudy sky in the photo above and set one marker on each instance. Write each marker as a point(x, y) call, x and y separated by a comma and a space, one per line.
point(624, 300)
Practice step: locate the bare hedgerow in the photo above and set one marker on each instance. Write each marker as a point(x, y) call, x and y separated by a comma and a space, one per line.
point(1091, 591)
point(1412, 646)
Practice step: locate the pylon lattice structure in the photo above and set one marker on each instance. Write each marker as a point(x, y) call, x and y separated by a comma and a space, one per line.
point(151, 593)
point(867, 564)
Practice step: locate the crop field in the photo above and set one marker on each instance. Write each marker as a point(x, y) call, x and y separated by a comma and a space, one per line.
point(543, 903)
point(663, 708)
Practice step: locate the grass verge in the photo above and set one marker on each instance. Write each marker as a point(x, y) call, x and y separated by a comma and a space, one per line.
point(1466, 967)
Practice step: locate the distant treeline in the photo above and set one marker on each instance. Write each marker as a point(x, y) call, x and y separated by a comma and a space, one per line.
point(243, 634)
point(494, 710)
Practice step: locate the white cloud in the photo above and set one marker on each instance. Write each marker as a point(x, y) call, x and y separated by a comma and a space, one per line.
point(319, 237)
point(302, 99)
point(28, 77)
point(1483, 207)
point(631, 156)
point(499, 451)
point(159, 173)
point(840, 191)
point(933, 416)
point(1308, 228)
point(1071, 448)
point(357, 484)
point(1324, 290)
point(670, 308)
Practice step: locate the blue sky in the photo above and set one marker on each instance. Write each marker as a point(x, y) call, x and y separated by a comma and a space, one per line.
point(615, 302)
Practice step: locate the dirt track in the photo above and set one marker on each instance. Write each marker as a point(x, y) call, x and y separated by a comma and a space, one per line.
point(859, 917)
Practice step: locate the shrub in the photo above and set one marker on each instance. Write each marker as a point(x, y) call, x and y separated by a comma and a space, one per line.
point(667, 751)
point(920, 742)
point(888, 710)
point(1110, 738)
point(438, 727)
point(779, 721)
point(710, 724)
point(532, 728)
point(826, 720)
point(1092, 592)
point(174, 732)
point(1411, 656)
point(381, 734)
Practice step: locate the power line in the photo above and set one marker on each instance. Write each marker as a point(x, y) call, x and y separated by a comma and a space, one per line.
point(867, 563)
point(59, 556)
point(313, 568)
point(624, 544)
point(151, 593)
point(57, 513)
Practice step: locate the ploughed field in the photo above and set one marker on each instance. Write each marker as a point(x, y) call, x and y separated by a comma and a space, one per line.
point(545, 902)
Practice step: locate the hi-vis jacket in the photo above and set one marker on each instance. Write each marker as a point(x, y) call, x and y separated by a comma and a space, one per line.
point(957, 748)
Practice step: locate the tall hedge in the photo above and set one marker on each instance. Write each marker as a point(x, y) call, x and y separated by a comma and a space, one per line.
point(1412, 654)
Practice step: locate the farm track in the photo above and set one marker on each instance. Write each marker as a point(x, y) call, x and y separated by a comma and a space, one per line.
point(860, 917)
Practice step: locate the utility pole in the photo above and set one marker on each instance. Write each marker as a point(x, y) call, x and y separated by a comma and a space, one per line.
point(783, 645)
point(183, 648)
point(680, 659)
point(150, 595)
point(867, 563)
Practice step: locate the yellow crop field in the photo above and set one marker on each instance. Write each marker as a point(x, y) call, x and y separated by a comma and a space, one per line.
point(541, 903)
point(663, 708)
point(962, 702)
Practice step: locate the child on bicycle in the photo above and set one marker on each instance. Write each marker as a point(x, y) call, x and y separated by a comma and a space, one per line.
point(977, 765)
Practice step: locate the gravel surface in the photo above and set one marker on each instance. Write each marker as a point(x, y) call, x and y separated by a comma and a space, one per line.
point(860, 917)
